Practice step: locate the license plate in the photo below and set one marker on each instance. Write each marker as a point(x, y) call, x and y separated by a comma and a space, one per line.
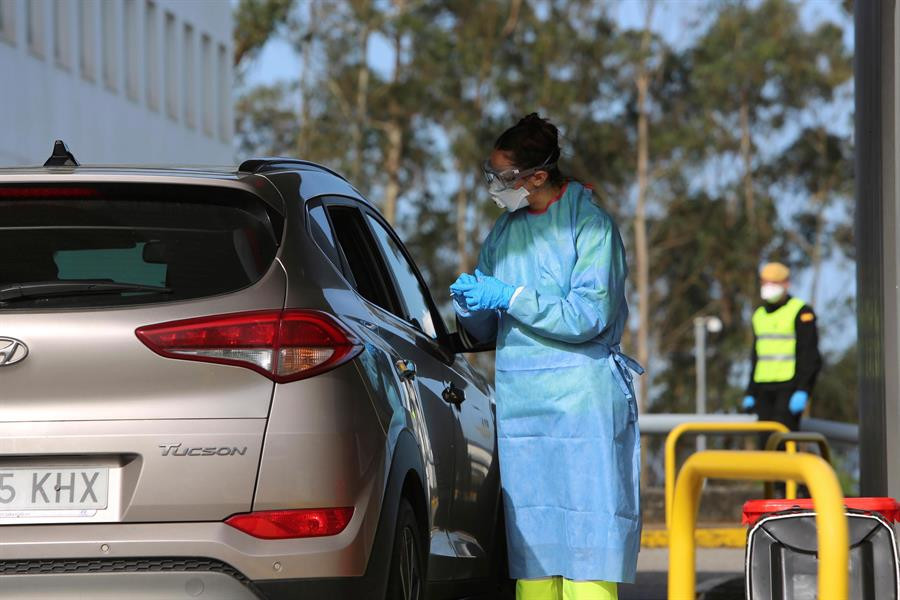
point(53, 489)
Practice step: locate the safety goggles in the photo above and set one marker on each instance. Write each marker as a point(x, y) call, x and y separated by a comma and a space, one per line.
point(502, 180)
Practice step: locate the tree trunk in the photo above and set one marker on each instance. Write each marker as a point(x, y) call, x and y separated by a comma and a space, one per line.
point(816, 253)
point(362, 100)
point(642, 250)
point(640, 240)
point(513, 19)
point(394, 128)
point(462, 220)
point(747, 160)
point(821, 202)
point(306, 80)
point(394, 132)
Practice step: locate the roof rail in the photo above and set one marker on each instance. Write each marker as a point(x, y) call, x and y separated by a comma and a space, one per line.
point(258, 165)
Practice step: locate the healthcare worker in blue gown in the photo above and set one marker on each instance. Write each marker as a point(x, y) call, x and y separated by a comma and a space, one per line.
point(550, 286)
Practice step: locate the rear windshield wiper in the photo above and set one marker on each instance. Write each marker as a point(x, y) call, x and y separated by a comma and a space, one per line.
point(48, 289)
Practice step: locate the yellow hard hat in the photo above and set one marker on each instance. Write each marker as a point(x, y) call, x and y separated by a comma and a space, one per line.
point(775, 272)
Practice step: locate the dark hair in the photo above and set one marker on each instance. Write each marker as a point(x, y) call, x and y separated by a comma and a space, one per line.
point(533, 142)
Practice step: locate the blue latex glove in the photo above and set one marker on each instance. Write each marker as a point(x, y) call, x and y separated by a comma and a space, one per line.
point(798, 402)
point(487, 293)
point(458, 288)
point(748, 402)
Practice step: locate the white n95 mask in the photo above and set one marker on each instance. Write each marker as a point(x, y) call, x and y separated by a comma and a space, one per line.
point(510, 199)
point(771, 292)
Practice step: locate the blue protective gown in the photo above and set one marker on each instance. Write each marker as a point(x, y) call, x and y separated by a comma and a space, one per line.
point(566, 415)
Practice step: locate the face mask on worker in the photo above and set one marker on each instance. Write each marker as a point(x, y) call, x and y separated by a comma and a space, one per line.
point(501, 184)
point(511, 199)
point(772, 292)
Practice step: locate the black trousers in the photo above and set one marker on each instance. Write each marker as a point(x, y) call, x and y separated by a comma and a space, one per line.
point(772, 405)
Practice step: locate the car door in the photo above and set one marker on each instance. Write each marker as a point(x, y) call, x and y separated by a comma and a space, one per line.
point(432, 418)
point(444, 374)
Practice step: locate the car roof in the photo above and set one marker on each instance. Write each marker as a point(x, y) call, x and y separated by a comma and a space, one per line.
point(63, 161)
point(214, 171)
point(219, 172)
point(139, 174)
point(233, 176)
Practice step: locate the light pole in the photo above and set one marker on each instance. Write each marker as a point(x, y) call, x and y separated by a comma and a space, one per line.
point(701, 326)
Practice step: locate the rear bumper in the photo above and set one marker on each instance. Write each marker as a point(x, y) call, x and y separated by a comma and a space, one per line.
point(352, 564)
point(136, 579)
point(186, 560)
point(178, 560)
point(154, 578)
point(342, 555)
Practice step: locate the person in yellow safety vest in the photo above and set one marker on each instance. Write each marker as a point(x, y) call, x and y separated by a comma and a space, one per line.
point(786, 359)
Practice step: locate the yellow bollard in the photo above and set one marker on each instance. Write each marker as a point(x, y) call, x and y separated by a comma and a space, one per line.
point(831, 522)
point(712, 427)
point(790, 445)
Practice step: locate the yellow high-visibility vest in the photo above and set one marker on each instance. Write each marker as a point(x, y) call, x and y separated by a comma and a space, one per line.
point(776, 342)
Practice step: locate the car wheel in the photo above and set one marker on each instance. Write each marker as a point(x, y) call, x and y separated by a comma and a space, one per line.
point(406, 580)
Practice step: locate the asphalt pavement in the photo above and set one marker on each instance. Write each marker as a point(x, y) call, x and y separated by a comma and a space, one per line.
point(720, 575)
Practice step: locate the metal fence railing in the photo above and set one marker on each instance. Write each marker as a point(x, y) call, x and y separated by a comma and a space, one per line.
point(663, 423)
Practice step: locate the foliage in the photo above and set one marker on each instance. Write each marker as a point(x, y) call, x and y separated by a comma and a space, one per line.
point(254, 24)
point(832, 398)
point(744, 163)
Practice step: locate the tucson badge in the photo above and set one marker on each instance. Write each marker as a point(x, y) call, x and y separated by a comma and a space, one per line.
point(12, 351)
point(177, 450)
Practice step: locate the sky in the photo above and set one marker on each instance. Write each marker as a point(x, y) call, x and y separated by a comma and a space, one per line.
point(678, 22)
point(675, 20)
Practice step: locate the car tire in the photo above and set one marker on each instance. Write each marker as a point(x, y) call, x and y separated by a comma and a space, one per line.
point(406, 579)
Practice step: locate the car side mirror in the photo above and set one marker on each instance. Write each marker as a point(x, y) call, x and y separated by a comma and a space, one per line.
point(462, 342)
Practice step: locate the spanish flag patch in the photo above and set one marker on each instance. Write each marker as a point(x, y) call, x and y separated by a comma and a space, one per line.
point(807, 317)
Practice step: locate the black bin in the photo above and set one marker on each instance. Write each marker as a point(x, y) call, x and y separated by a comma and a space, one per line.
point(781, 560)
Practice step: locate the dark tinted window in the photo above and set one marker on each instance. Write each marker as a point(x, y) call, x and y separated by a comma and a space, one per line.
point(178, 242)
point(372, 282)
point(322, 234)
point(408, 285)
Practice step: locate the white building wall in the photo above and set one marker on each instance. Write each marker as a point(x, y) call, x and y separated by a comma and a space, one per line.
point(116, 111)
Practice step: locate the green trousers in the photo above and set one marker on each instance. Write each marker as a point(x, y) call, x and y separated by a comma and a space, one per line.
point(559, 588)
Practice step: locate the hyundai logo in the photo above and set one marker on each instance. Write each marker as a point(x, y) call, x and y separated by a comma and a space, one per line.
point(12, 351)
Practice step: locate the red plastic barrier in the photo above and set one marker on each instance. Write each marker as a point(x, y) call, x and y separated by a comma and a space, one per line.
point(754, 510)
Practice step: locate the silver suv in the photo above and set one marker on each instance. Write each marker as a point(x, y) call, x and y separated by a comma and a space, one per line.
point(231, 384)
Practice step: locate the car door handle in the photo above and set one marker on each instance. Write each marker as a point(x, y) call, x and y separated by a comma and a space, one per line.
point(406, 369)
point(453, 395)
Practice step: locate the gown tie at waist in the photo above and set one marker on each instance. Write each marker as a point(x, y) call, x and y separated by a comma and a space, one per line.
point(621, 366)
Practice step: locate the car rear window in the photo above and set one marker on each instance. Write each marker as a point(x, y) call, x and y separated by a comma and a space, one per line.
point(111, 245)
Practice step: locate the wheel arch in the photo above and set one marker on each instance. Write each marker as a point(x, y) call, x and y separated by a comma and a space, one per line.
point(414, 492)
point(405, 479)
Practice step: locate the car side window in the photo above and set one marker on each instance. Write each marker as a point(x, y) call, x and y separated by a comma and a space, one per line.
point(410, 288)
point(320, 228)
point(372, 280)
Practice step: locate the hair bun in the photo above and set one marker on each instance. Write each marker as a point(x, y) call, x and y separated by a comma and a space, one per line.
point(532, 142)
point(538, 125)
point(531, 119)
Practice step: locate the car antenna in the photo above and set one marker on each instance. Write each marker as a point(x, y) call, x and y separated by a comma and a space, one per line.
point(61, 156)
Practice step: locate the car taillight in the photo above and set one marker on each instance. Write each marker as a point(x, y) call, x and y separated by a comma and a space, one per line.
point(282, 345)
point(285, 524)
